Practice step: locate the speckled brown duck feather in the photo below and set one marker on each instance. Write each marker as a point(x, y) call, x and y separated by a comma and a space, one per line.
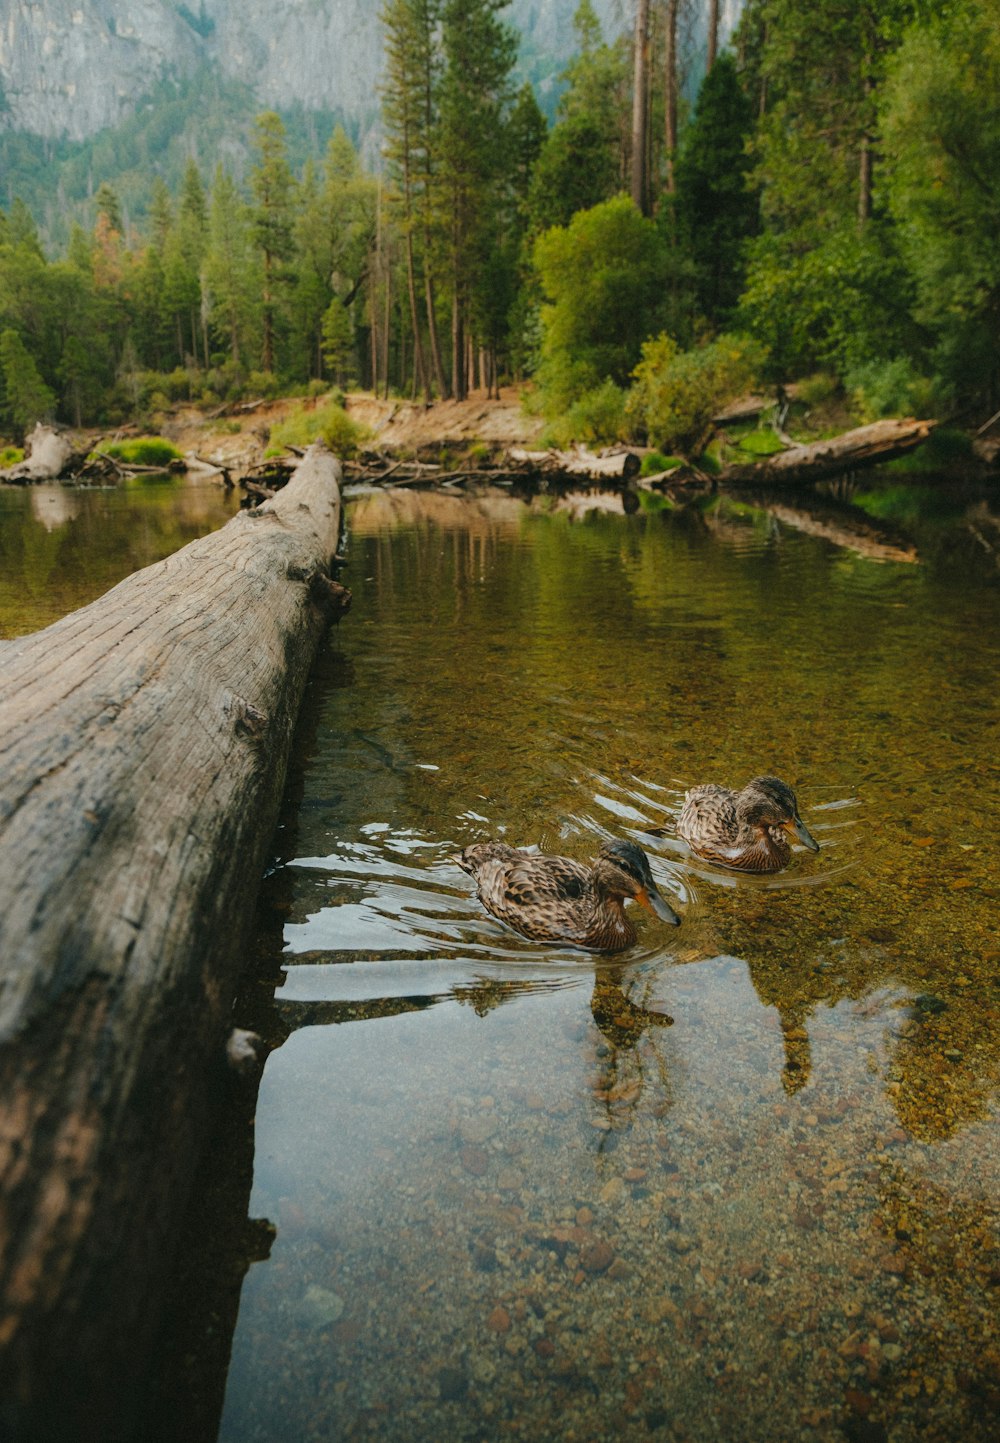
point(556, 899)
point(746, 831)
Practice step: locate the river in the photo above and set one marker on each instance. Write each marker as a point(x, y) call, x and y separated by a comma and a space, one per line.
point(743, 1181)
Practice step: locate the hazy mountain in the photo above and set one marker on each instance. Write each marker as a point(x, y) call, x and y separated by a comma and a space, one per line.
point(123, 89)
point(69, 68)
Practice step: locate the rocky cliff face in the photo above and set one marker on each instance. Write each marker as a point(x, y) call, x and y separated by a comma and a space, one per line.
point(72, 67)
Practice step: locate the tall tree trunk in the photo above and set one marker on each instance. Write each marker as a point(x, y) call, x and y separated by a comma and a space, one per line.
point(267, 354)
point(713, 33)
point(670, 98)
point(420, 368)
point(640, 108)
point(457, 348)
point(386, 326)
point(435, 340)
point(420, 371)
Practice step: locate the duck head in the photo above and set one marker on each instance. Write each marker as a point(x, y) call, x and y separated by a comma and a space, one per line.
point(622, 870)
point(768, 802)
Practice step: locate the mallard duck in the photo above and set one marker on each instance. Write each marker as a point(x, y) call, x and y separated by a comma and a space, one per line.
point(555, 899)
point(748, 830)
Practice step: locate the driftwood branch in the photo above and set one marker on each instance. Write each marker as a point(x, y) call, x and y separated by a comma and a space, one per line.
point(143, 747)
point(47, 453)
point(614, 464)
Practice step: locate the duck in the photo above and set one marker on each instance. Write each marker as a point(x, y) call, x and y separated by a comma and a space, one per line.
point(557, 899)
point(745, 831)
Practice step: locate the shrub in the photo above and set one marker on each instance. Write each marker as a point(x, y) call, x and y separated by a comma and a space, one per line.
point(143, 451)
point(597, 418)
point(890, 388)
point(331, 422)
point(654, 462)
point(676, 393)
point(263, 384)
point(603, 277)
point(11, 455)
point(818, 389)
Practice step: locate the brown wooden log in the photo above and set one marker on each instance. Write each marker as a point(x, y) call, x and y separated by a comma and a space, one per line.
point(865, 446)
point(143, 748)
point(618, 464)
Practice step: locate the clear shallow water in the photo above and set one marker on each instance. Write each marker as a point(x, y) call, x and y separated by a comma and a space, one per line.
point(63, 546)
point(740, 1183)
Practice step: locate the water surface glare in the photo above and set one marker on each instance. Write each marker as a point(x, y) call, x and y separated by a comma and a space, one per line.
point(742, 1182)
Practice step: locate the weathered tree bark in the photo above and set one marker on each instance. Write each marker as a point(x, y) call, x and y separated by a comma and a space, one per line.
point(621, 464)
point(865, 446)
point(46, 455)
point(671, 93)
point(713, 34)
point(640, 106)
point(143, 747)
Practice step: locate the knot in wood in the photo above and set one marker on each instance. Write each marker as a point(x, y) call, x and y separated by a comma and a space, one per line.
point(248, 720)
point(332, 599)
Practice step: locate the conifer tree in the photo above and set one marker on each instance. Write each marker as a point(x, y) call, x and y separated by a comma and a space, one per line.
point(273, 186)
point(27, 398)
point(229, 268)
point(716, 206)
point(409, 107)
point(479, 54)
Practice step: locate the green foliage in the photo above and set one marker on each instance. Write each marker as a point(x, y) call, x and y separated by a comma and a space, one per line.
point(819, 389)
point(677, 392)
point(603, 277)
point(890, 388)
point(27, 398)
point(143, 451)
point(716, 207)
point(941, 124)
point(330, 422)
point(598, 417)
point(761, 441)
point(839, 303)
point(654, 462)
point(11, 455)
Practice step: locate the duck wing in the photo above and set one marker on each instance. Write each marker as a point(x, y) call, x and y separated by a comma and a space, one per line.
point(708, 818)
point(542, 881)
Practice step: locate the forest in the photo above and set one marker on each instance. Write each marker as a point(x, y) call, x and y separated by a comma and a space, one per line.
point(819, 204)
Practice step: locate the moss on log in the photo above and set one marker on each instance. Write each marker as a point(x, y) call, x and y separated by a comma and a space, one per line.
point(143, 749)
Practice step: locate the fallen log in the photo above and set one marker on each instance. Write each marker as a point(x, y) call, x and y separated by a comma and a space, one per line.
point(617, 464)
point(143, 748)
point(47, 453)
point(852, 450)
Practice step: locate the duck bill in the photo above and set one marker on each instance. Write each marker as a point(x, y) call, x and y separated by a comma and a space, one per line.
point(650, 898)
point(798, 826)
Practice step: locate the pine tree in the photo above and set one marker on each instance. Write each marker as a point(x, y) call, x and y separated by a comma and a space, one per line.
point(229, 268)
point(273, 186)
point(717, 209)
point(27, 398)
point(479, 52)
